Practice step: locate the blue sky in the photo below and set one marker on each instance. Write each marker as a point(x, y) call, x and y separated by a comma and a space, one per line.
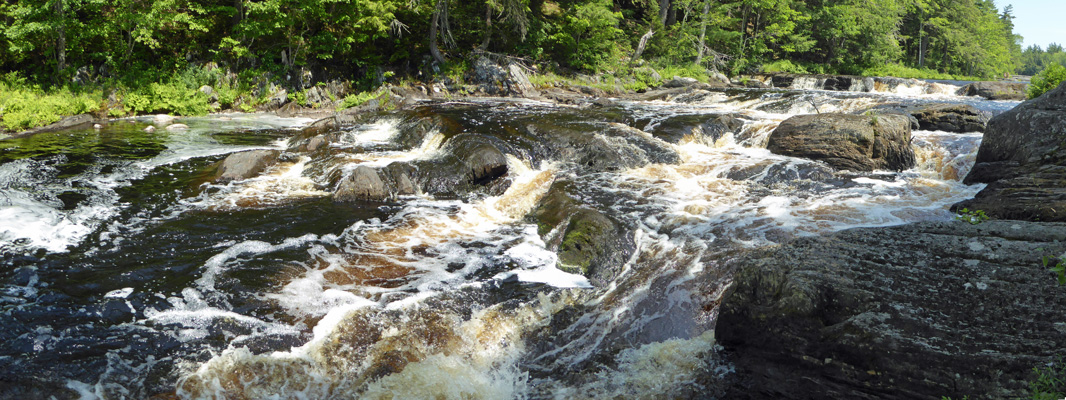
point(1038, 21)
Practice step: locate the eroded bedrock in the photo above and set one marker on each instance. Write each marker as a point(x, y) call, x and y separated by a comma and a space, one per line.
point(916, 311)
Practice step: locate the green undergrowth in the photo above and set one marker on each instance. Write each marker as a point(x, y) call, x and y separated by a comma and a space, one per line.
point(623, 78)
point(24, 106)
point(1049, 382)
point(899, 71)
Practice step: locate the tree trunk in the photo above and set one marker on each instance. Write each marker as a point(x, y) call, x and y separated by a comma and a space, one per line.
point(433, 27)
point(61, 40)
point(640, 46)
point(703, 31)
point(664, 10)
point(488, 27)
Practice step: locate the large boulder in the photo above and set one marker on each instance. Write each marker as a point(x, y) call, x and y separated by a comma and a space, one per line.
point(494, 79)
point(917, 311)
point(852, 142)
point(363, 183)
point(994, 90)
point(957, 118)
point(1023, 159)
point(245, 164)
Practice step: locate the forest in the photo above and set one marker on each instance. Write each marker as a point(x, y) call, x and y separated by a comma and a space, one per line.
point(134, 43)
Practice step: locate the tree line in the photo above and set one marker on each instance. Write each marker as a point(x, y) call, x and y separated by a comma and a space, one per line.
point(369, 39)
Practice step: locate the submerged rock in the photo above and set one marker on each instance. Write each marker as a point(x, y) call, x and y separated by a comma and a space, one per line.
point(957, 118)
point(916, 311)
point(853, 142)
point(246, 164)
point(994, 90)
point(1023, 159)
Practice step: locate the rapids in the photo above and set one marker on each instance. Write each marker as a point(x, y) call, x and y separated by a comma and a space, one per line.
point(126, 272)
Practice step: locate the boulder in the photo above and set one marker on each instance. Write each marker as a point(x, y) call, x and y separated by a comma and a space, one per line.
point(957, 118)
point(587, 241)
point(245, 164)
point(679, 81)
point(485, 163)
point(711, 126)
point(520, 81)
point(916, 311)
point(852, 142)
point(1023, 159)
point(994, 90)
point(362, 184)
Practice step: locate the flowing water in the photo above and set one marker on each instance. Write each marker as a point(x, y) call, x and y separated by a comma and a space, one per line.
point(126, 272)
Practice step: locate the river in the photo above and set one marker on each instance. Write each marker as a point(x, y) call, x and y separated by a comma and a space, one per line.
point(126, 271)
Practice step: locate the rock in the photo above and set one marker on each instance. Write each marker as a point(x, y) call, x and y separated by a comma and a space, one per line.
point(587, 241)
point(957, 118)
point(915, 311)
point(994, 90)
point(319, 127)
point(98, 126)
point(245, 164)
point(679, 81)
point(177, 127)
point(852, 142)
point(277, 99)
point(149, 129)
point(1023, 159)
point(317, 96)
point(719, 78)
point(315, 143)
point(520, 81)
point(697, 126)
point(485, 163)
point(363, 184)
point(83, 76)
point(892, 109)
point(163, 119)
point(210, 93)
point(493, 79)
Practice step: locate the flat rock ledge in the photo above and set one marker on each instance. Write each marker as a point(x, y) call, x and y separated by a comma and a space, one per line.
point(917, 311)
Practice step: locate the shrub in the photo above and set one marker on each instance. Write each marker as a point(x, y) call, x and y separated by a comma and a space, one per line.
point(784, 66)
point(1046, 80)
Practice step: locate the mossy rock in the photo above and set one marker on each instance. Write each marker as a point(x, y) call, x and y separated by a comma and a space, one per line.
point(586, 240)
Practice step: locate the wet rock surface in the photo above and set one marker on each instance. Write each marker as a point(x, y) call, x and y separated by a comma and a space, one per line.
point(957, 118)
point(852, 142)
point(923, 310)
point(246, 164)
point(714, 127)
point(363, 184)
point(1023, 159)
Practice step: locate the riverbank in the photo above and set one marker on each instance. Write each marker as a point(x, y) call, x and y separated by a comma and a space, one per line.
point(201, 90)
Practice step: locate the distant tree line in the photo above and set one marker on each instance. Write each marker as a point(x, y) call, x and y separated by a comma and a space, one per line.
point(367, 39)
point(1034, 59)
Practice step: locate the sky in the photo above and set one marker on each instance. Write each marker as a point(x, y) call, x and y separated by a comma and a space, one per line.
point(1040, 22)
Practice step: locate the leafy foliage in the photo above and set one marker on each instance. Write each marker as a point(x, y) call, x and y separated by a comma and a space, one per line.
point(1047, 79)
point(973, 217)
point(1049, 382)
